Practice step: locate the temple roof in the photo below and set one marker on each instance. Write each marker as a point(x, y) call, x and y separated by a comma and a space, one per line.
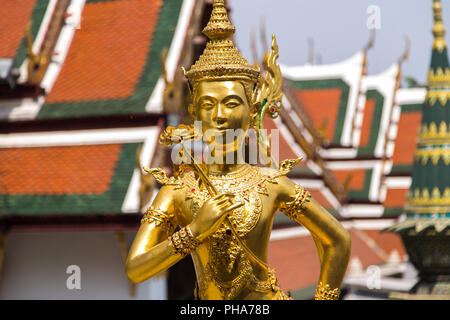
point(30, 14)
point(113, 64)
point(297, 264)
point(105, 57)
point(82, 172)
point(328, 94)
point(14, 24)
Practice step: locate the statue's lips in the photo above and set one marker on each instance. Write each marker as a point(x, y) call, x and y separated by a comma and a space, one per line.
point(221, 129)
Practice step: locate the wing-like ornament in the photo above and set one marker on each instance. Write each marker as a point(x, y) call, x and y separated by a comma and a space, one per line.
point(268, 100)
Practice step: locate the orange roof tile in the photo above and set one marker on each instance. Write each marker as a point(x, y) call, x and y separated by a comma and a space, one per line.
point(322, 106)
point(296, 261)
point(405, 143)
point(358, 177)
point(320, 198)
point(388, 241)
point(13, 24)
point(108, 52)
point(363, 250)
point(396, 198)
point(58, 170)
point(366, 128)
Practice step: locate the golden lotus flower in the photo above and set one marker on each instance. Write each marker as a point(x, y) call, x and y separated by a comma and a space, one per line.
point(182, 133)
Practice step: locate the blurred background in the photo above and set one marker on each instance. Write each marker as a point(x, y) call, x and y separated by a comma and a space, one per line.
point(86, 86)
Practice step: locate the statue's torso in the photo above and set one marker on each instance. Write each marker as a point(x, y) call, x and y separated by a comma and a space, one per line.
point(223, 267)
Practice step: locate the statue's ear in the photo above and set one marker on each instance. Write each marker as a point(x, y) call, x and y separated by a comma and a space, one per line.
point(253, 114)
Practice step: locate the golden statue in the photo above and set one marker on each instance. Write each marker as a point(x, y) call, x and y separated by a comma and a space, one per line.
point(225, 209)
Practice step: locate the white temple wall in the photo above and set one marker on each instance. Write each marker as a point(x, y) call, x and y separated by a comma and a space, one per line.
point(35, 265)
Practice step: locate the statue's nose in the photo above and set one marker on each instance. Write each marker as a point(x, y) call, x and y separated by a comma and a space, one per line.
point(220, 115)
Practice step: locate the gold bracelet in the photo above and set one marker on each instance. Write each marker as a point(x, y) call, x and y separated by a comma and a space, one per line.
point(183, 241)
point(159, 217)
point(325, 292)
point(294, 208)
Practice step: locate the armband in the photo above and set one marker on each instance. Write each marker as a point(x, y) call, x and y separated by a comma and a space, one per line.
point(293, 208)
point(159, 217)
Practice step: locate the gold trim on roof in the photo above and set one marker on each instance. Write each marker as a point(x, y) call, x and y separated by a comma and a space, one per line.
point(430, 134)
point(419, 225)
point(438, 27)
point(424, 197)
point(438, 77)
point(441, 95)
point(433, 154)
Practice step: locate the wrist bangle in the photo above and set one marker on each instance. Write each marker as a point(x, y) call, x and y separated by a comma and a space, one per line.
point(183, 241)
point(324, 292)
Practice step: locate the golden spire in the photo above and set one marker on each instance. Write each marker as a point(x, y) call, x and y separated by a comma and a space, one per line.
point(221, 60)
point(219, 26)
point(438, 27)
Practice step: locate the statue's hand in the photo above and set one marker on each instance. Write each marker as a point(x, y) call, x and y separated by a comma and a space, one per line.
point(212, 214)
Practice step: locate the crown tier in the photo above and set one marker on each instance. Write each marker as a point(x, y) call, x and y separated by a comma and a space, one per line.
point(221, 59)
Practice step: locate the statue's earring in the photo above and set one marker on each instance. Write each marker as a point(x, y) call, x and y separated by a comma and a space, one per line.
point(253, 117)
point(191, 110)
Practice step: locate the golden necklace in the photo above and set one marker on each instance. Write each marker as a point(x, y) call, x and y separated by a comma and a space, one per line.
point(246, 184)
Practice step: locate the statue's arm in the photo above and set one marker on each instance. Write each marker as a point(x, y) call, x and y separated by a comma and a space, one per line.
point(332, 240)
point(151, 251)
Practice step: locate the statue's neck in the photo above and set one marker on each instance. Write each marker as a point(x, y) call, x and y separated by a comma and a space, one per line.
point(225, 160)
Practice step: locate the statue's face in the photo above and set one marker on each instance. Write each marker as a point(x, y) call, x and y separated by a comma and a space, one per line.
point(221, 106)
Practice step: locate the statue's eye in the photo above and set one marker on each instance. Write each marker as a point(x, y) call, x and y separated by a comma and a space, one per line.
point(207, 104)
point(232, 103)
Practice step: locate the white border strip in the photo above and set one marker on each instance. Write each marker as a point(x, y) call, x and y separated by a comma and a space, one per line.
point(387, 88)
point(76, 137)
point(23, 109)
point(154, 104)
point(362, 211)
point(398, 182)
point(63, 43)
point(339, 153)
point(410, 96)
point(39, 38)
point(352, 164)
point(350, 71)
point(131, 201)
point(176, 47)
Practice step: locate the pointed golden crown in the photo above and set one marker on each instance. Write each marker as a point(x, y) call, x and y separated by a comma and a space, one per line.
point(221, 60)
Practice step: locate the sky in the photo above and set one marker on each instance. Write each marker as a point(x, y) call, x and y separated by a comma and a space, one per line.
point(339, 29)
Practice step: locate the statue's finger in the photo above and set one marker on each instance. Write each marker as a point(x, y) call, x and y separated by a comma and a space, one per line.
point(234, 207)
point(220, 201)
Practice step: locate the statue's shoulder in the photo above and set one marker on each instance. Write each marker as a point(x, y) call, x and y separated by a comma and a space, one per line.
point(164, 179)
point(274, 175)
